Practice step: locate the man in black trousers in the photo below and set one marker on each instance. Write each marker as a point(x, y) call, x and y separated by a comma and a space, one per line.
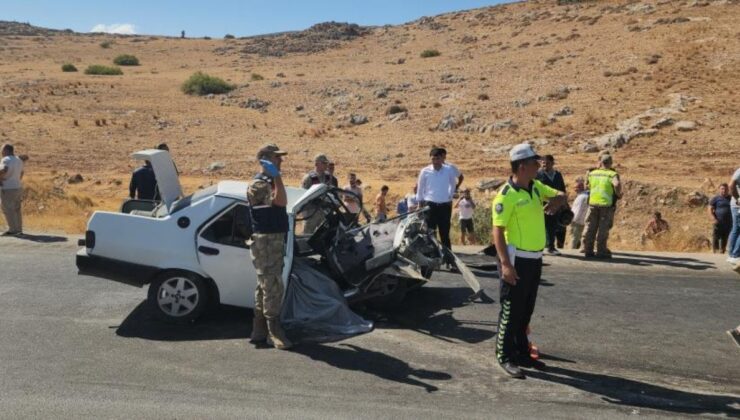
point(552, 178)
point(435, 188)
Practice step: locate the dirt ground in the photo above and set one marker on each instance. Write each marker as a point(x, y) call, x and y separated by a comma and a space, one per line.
point(631, 70)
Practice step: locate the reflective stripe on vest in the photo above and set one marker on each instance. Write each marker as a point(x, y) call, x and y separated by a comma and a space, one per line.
point(601, 187)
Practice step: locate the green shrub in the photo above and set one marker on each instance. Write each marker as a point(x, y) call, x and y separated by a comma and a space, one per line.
point(68, 67)
point(430, 53)
point(126, 60)
point(202, 84)
point(105, 44)
point(255, 77)
point(229, 36)
point(103, 70)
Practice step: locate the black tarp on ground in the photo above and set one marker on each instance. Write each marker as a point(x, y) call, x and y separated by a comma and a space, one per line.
point(314, 308)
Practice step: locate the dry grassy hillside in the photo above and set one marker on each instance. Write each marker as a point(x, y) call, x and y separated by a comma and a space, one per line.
point(654, 81)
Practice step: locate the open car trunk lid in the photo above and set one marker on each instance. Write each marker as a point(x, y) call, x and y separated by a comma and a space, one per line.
point(165, 172)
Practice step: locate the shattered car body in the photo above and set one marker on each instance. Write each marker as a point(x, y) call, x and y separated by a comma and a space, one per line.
point(377, 260)
point(194, 250)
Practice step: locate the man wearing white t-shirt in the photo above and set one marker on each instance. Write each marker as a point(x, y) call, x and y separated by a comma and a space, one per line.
point(465, 209)
point(580, 208)
point(412, 204)
point(435, 188)
point(11, 191)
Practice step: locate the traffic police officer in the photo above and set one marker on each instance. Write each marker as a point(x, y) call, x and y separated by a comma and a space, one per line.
point(519, 235)
point(267, 204)
point(605, 187)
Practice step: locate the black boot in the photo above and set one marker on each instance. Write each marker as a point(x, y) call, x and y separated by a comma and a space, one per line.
point(512, 369)
point(529, 363)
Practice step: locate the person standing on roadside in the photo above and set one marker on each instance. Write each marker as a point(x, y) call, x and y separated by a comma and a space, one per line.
point(320, 173)
point(604, 188)
point(580, 208)
point(720, 214)
point(11, 190)
point(459, 177)
point(733, 242)
point(267, 205)
point(466, 209)
point(519, 233)
point(435, 188)
point(412, 204)
point(143, 184)
point(381, 207)
point(330, 168)
point(352, 201)
point(552, 178)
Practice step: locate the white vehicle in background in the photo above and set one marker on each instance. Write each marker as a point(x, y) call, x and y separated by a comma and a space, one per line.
point(193, 250)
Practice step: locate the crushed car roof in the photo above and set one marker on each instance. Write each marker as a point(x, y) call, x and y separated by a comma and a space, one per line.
point(237, 190)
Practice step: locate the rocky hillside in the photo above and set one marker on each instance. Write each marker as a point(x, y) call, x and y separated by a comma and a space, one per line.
point(8, 28)
point(653, 81)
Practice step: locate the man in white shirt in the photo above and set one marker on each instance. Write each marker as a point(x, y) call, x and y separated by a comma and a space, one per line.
point(352, 201)
point(466, 209)
point(435, 188)
point(458, 175)
point(11, 191)
point(580, 208)
point(411, 203)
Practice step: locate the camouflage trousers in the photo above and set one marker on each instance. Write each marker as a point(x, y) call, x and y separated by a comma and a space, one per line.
point(268, 251)
point(599, 221)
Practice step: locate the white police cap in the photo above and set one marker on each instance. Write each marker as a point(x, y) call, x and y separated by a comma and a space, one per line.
point(522, 151)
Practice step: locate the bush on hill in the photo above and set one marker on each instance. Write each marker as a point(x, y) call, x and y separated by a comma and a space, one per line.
point(100, 69)
point(202, 84)
point(126, 60)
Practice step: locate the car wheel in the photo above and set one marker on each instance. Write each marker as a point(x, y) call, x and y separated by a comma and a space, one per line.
point(179, 297)
point(395, 294)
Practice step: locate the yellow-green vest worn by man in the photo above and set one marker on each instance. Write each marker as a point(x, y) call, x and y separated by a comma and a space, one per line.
point(601, 189)
point(520, 212)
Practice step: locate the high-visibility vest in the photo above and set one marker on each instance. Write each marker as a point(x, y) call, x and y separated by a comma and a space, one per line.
point(601, 189)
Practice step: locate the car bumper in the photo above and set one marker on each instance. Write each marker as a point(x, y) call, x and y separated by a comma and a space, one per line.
point(115, 270)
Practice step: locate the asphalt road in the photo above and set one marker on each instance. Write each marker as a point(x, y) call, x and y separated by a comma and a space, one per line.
point(639, 335)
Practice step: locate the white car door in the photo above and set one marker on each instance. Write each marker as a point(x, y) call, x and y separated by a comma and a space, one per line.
point(224, 256)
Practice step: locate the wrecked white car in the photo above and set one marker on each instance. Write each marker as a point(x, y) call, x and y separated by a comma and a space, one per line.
point(193, 250)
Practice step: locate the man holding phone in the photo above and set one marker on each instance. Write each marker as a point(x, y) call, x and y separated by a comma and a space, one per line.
point(267, 205)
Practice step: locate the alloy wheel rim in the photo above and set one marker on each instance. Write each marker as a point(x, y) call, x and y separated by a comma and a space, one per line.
point(177, 296)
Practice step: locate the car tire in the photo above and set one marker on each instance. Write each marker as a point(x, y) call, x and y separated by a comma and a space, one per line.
point(393, 299)
point(178, 296)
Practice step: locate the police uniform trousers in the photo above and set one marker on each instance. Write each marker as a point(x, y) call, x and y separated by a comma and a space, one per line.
point(268, 252)
point(517, 306)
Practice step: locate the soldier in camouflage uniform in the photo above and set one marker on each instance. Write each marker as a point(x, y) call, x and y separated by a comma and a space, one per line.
point(267, 201)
